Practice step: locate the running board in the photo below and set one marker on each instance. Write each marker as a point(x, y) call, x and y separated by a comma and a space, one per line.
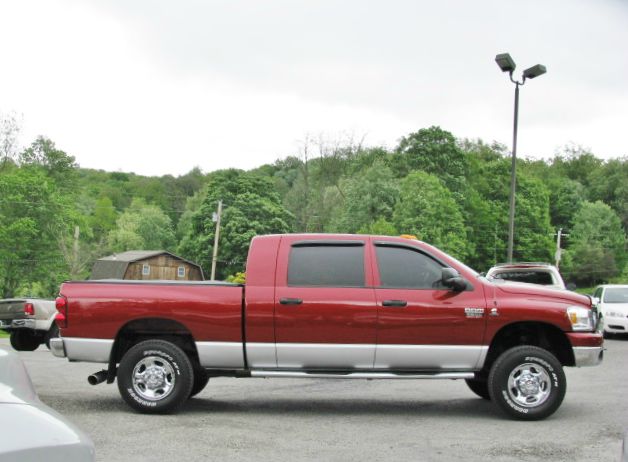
point(362, 375)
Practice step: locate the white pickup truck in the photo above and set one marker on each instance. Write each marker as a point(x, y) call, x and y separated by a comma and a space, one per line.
point(30, 321)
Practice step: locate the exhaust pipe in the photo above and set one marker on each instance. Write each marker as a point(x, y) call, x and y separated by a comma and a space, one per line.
point(97, 377)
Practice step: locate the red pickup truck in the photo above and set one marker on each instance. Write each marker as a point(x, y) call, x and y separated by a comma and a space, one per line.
point(332, 306)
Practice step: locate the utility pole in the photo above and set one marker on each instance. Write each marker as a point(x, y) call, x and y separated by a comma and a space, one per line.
point(75, 252)
point(216, 237)
point(559, 251)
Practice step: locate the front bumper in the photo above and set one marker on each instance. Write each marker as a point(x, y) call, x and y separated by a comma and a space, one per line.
point(57, 347)
point(588, 356)
point(588, 348)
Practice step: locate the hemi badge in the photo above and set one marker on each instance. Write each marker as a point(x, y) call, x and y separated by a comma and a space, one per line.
point(474, 312)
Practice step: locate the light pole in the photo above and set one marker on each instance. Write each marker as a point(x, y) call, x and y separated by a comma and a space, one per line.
point(507, 64)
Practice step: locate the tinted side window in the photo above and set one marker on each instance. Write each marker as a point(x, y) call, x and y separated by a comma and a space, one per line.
point(326, 266)
point(404, 268)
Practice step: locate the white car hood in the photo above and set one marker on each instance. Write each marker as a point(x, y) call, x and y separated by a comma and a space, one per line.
point(622, 307)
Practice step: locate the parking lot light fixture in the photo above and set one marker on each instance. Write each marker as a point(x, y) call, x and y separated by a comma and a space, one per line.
point(507, 64)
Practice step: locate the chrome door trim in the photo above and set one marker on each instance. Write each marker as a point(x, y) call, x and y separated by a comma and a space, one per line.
point(325, 355)
point(430, 357)
point(261, 355)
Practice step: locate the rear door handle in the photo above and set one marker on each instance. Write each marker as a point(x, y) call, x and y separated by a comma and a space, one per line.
point(395, 303)
point(290, 301)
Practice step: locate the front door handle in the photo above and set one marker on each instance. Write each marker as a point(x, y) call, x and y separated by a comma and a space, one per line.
point(395, 303)
point(290, 301)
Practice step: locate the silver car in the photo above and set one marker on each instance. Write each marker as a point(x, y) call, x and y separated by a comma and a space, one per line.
point(30, 430)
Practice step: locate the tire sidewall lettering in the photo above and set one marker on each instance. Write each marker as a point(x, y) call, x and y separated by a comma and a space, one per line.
point(164, 355)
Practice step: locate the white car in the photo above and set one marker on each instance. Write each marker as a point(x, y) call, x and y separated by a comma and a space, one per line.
point(31, 431)
point(612, 303)
point(532, 273)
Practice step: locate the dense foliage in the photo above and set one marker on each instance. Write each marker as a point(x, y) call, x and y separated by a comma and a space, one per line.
point(56, 218)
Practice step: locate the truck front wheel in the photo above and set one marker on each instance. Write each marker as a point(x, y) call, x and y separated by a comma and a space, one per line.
point(527, 383)
point(24, 340)
point(155, 377)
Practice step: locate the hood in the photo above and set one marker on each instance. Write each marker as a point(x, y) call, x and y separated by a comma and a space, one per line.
point(615, 306)
point(538, 291)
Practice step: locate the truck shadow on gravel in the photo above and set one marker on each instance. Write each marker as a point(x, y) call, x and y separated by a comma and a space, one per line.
point(463, 408)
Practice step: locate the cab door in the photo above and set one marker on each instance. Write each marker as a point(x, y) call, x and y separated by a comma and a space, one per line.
point(325, 310)
point(423, 325)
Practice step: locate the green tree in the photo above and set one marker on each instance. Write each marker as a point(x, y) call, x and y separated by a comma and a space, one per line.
point(103, 219)
point(369, 197)
point(434, 151)
point(251, 207)
point(34, 216)
point(142, 227)
point(58, 165)
point(597, 245)
point(427, 209)
point(610, 185)
point(487, 209)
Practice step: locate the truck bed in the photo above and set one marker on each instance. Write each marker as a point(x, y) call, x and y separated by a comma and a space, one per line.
point(11, 309)
point(210, 311)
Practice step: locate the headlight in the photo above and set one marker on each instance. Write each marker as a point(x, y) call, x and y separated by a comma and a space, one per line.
point(581, 318)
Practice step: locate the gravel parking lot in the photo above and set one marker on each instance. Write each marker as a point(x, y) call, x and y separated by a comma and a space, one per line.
point(298, 420)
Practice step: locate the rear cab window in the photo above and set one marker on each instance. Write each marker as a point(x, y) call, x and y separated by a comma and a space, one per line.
point(326, 264)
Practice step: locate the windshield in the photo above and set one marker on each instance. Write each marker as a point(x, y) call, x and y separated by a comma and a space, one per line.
point(531, 277)
point(616, 295)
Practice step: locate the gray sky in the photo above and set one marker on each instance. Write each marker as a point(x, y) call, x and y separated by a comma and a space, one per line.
point(159, 87)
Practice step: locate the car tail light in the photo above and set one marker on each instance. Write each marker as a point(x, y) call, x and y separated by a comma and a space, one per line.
point(61, 303)
point(29, 309)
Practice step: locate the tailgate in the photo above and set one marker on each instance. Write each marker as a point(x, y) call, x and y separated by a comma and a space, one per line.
point(12, 309)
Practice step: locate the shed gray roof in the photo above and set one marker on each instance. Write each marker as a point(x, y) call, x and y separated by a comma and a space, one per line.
point(115, 266)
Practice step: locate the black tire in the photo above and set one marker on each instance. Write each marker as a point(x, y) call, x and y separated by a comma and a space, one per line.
point(155, 377)
point(24, 340)
point(479, 387)
point(527, 383)
point(200, 381)
point(52, 333)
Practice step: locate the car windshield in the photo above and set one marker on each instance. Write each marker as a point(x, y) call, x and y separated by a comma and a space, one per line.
point(616, 295)
point(531, 277)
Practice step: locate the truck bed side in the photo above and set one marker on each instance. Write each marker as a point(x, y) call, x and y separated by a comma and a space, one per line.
point(98, 312)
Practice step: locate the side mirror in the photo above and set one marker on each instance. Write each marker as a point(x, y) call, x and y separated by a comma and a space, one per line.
point(452, 279)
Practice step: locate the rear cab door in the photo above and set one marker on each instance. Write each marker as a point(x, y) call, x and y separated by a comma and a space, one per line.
point(423, 325)
point(325, 310)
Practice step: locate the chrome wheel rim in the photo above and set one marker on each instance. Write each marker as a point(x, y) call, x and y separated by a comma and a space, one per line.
point(153, 378)
point(529, 385)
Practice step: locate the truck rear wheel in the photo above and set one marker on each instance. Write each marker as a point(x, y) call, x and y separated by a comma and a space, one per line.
point(155, 377)
point(24, 340)
point(527, 383)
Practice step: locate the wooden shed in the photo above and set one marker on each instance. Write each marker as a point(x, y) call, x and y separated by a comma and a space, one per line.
point(146, 265)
